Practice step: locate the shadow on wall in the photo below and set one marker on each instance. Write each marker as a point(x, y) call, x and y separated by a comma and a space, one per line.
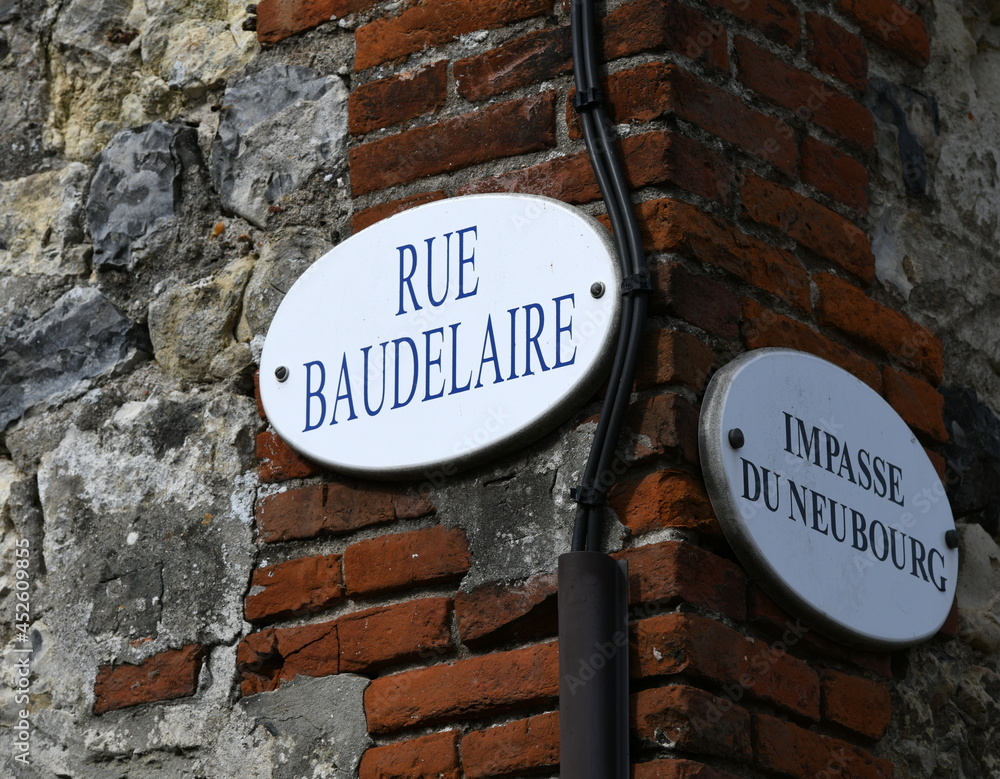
point(973, 457)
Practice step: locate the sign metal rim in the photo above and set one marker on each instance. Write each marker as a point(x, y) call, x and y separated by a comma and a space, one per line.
point(711, 444)
point(560, 409)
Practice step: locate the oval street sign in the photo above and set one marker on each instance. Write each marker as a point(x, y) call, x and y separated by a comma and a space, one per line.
point(442, 336)
point(828, 499)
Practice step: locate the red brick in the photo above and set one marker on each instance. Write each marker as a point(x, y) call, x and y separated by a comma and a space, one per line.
point(326, 509)
point(569, 178)
point(664, 25)
point(650, 91)
point(683, 643)
point(678, 769)
point(162, 677)
point(812, 225)
point(278, 19)
point(536, 57)
point(523, 746)
point(475, 687)
point(796, 752)
point(653, 158)
point(280, 461)
point(393, 562)
point(892, 25)
point(390, 101)
point(300, 586)
point(256, 395)
point(664, 424)
point(691, 720)
point(939, 463)
point(674, 226)
point(385, 635)
point(695, 299)
point(674, 357)
point(496, 612)
point(435, 22)
point(836, 51)
point(763, 327)
point(809, 98)
point(765, 612)
point(664, 499)
point(855, 703)
point(676, 571)
point(377, 213)
point(917, 402)
point(777, 19)
point(835, 174)
point(505, 130)
point(270, 657)
point(844, 306)
point(950, 627)
point(428, 757)
point(667, 158)
point(728, 117)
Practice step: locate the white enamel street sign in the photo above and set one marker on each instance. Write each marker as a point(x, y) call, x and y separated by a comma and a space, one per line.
point(828, 499)
point(442, 336)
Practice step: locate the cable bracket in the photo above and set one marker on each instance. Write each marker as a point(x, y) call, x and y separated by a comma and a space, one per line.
point(637, 283)
point(589, 496)
point(587, 98)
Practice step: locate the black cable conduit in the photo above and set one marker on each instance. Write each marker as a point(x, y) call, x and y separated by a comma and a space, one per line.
point(593, 587)
point(608, 171)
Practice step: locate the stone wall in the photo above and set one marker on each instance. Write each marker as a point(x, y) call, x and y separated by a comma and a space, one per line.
point(182, 595)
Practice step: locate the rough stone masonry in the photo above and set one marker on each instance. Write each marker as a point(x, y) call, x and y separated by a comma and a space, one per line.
point(181, 596)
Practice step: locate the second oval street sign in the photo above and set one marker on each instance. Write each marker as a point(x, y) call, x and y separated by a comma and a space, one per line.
point(443, 335)
point(828, 499)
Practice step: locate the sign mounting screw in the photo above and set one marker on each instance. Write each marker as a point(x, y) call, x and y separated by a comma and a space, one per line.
point(736, 438)
point(281, 373)
point(597, 289)
point(951, 539)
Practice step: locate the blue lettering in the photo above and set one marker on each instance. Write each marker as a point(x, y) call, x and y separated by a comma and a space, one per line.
point(749, 467)
point(917, 555)
point(878, 465)
point(818, 503)
point(413, 356)
point(428, 362)
point(900, 564)
point(489, 340)
point(513, 343)
point(858, 522)
point(533, 339)
point(454, 362)
point(833, 520)
point(864, 461)
point(430, 270)
point(463, 261)
point(343, 383)
point(939, 583)
point(797, 499)
point(407, 278)
point(315, 393)
point(381, 402)
point(560, 329)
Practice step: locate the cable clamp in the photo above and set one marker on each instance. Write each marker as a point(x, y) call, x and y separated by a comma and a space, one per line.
point(640, 282)
point(587, 98)
point(589, 496)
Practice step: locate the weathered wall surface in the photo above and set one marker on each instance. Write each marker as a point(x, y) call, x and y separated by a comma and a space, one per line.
point(205, 603)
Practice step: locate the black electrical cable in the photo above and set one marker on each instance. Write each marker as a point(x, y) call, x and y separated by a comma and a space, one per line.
point(614, 189)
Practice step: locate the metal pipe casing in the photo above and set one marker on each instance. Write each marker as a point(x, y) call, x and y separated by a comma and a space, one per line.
point(593, 666)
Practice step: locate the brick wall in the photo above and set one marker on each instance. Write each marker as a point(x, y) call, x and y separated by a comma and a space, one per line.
point(747, 144)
